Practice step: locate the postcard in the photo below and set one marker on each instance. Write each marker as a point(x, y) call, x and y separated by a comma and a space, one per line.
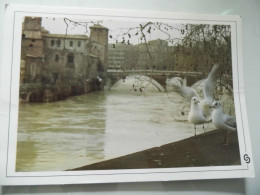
point(102, 96)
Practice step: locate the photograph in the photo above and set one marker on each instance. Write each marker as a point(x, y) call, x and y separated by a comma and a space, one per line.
point(126, 95)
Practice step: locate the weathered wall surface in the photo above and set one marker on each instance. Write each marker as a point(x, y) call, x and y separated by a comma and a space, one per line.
point(54, 66)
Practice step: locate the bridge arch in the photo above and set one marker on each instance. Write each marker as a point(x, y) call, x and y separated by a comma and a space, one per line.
point(137, 83)
point(158, 75)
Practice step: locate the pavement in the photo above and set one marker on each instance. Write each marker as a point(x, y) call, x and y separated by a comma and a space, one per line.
point(206, 149)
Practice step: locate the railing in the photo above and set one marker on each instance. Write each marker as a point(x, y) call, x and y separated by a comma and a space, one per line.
point(153, 72)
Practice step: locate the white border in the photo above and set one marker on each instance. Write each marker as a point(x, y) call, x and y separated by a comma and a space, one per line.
point(9, 88)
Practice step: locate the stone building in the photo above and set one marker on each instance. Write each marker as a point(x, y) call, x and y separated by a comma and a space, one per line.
point(55, 66)
point(99, 44)
point(61, 53)
point(32, 51)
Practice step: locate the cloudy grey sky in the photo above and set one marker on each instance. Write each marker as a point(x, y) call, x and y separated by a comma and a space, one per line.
point(116, 29)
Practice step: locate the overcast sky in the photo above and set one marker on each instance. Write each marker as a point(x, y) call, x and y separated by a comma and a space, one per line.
point(116, 29)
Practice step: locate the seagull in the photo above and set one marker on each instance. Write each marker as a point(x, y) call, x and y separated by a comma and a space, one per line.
point(205, 106)
point(222, 120)
point(210, 83)
point(196, 115)
point(99, 79)
point(186, 92)
point(209, 88)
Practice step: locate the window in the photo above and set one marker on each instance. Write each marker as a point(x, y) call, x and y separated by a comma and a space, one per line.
point(58, 43)
point(79, 43)
point(30, 45)
point(33, 40)
point(52, 43)
point(55, 76)
point(71, 43)
point(57, 58)
point(70, 58)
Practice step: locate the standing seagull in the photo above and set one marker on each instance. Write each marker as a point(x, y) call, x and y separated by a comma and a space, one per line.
point(222, 120)
point(196, 116)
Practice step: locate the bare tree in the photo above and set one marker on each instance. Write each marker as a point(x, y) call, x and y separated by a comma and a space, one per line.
point(195, 47)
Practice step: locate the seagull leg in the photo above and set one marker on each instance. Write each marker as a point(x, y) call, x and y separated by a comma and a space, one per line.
point(183, 107)
point(227, 142)
point(195, 130)
point(227, 138)
point(203, 128)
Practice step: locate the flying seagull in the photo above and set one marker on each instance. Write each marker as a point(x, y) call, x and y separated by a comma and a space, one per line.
point(209, 87)
point(185, 91)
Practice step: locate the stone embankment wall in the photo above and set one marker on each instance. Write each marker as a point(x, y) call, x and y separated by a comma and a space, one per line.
point(37, 92)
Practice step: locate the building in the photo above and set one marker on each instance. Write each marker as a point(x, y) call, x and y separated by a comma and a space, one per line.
point(99, 44)
point(32, 51)
point(156, 54)
point(55, 66)
point(122, 56)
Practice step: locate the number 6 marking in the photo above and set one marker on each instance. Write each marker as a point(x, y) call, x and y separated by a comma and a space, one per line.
point(247, 158)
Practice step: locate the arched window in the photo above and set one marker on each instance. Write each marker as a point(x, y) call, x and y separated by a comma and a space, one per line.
point(70, 58)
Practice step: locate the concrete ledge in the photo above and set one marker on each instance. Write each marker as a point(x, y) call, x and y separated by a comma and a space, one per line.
point(204, 150)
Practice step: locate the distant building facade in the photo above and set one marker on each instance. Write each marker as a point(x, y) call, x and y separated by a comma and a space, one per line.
point(122, 56)
point(156, 54)
point(54, 66)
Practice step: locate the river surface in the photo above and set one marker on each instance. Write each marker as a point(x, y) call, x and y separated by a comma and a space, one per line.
point(97, 126)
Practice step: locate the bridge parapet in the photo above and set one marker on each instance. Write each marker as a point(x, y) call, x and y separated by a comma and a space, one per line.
point(159, 75)
point(154, 72)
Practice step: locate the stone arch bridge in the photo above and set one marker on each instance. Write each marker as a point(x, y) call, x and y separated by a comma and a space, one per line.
point(159, 75)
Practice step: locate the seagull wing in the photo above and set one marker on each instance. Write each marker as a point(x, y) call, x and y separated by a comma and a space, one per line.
point(230, 121)
point(187, 93)
point(173, 84)
point(210, 83)
point(177, 84)
point(205, 107)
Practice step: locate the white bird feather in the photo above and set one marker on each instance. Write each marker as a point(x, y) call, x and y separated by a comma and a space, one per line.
point(196, 115)
point(203, 104)
point(210, 84)
point(222, 120)
point(177, 84)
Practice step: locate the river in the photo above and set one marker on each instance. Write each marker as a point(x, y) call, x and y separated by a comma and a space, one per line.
point(97, 126)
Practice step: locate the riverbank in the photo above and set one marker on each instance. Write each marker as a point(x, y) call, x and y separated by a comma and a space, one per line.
point(206, 149)
point(39, 92)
